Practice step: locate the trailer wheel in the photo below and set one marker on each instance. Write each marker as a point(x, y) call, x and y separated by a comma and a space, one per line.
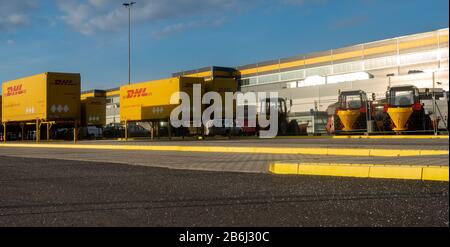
point(282, 129)
point(293, 128)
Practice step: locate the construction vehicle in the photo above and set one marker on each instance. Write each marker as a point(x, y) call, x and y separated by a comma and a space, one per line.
point(285, 126)
point(350, 113)
point(406, 108)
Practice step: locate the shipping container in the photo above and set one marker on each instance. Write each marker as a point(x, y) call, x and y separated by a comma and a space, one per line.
point(46, 97)
point(93, 108)
point(151, 100)
point(1, 109)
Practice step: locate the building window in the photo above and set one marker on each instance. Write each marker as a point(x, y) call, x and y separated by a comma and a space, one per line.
point(293, 75)
point(245, 82)
point(249, 81)
point(418, 57)
point(268, 79)
point(320, 71)
point(382, 62)
point(347, 67)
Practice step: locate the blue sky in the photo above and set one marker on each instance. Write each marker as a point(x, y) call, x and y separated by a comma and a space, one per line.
point(90, 36)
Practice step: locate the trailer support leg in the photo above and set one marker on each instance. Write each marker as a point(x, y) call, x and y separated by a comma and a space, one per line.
point(22, 127)
point(49, 127)
point(126, 130)
point(152, 128)
point(4, 132)
point(169, 129)
point(48, 132)
point(157, 130)
point(75, 134)
point(38, 131)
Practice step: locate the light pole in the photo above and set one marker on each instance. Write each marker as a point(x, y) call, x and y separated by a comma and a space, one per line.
point(128, 6)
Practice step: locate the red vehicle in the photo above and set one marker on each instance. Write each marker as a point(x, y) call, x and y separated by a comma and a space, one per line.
point(349, 113)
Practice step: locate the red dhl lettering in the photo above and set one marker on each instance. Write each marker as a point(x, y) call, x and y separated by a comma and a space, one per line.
point(14, 90)
point(134, 93)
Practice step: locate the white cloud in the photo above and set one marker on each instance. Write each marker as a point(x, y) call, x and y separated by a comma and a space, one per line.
point(14, 14)
point(181, 26)
point(17, 19)
point(91, 16)
point(99, 3)
point(302, 2)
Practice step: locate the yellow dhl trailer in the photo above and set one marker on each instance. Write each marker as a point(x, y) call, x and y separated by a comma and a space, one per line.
point(93, 108)
point(44, 97)
point(148, 101)
point(222, 86)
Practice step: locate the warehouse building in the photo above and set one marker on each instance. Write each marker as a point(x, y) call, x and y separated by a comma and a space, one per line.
point(312, 81)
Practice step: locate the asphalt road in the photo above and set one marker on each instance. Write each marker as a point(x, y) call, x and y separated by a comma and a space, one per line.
point(45, 192)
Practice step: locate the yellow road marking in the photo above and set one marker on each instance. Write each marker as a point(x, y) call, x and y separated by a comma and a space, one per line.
point(399, 172)
point(417, 172)
point(435, 173)
point(259, 150)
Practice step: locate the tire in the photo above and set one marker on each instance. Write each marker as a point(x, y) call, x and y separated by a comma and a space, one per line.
point(293, 128)
point(282, 129)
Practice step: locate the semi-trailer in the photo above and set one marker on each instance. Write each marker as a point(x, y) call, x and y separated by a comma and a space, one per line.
point(93, 113)
point(47, 99)
point(93, 109)
point(151, 101)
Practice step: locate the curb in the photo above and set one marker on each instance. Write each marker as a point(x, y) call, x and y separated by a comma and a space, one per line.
point(415, 172)
point(257, 150)
point(392, 137)
point(367, 137)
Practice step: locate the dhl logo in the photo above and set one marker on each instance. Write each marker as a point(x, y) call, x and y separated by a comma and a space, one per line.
point(15, 90)
point(64, 82)
point(134, 93)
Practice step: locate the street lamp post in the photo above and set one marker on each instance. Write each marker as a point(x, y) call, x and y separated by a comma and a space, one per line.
point(128, 6)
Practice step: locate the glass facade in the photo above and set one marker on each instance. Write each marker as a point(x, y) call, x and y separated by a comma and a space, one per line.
point(392, 53)
point(344, 68)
